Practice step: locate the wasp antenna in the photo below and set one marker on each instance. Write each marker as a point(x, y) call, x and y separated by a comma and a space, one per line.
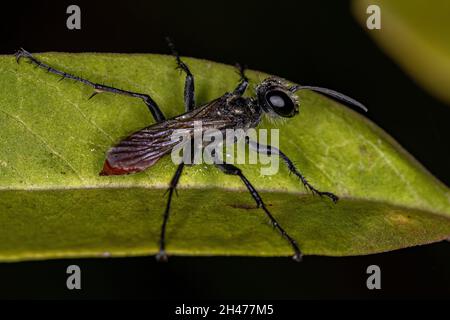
point(331, 93)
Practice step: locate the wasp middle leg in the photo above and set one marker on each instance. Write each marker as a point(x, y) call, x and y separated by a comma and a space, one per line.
point(233, 170)
point(189, 88)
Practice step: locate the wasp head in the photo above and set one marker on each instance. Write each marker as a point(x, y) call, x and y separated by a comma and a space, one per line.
point(275, 98)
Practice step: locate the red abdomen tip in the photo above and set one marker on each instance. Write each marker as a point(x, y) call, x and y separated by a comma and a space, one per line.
point(108, 170)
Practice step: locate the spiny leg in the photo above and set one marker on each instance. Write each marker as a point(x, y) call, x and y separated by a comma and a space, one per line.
point(233, 170)
point(98, 88)
point(189, 88)
point(243, 82)
point(269, 150)
point(162, 255)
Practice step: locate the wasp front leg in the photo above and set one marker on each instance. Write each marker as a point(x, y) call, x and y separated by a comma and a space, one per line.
point(269, 150)
point(243, 82)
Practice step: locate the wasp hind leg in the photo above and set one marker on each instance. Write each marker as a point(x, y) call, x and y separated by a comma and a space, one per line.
point(162, 255)
point(98, 88)
point(233, 170)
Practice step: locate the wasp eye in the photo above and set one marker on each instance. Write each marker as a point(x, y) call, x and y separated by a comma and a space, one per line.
point(281, 103)
point(276, 101)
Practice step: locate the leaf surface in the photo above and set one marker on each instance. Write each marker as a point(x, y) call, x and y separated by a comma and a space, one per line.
point(416, 34)
point(54, 204)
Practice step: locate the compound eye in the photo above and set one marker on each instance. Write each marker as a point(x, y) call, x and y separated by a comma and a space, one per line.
point(281, 103)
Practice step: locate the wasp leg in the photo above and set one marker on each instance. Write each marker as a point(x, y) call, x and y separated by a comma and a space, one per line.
point(232, 170)
point(98, 88)
point(243, 82)
point(162, 255)
point(189, 88)
point(269, 150)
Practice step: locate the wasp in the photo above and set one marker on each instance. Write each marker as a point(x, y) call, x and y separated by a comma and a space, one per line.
point(274, 98)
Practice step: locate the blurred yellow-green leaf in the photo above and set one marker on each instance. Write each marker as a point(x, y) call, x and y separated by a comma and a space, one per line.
point(54, 204)
point(416, 34)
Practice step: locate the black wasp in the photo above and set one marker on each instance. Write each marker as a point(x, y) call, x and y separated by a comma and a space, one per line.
point(275, 97)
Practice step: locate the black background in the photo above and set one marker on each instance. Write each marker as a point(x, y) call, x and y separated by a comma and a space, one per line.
point(308, 42)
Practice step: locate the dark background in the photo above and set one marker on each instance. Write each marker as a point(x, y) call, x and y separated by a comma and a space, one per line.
point(309, 42)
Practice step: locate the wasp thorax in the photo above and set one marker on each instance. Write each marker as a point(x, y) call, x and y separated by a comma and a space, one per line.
point(275, 98)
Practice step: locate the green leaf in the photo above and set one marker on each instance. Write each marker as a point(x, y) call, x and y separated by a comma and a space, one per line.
point(415, 33)
point(54, 204)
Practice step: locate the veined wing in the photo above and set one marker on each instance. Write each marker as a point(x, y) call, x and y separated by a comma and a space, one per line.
point(145, 147)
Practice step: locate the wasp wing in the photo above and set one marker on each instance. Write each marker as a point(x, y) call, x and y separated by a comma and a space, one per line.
point(140, 150)
point(145, 147)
